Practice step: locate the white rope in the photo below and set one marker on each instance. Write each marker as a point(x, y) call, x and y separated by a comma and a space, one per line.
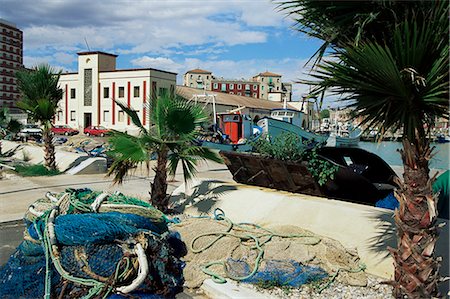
point(98, 201)
point(33, 211)
point(142, 272)
point(50, 196)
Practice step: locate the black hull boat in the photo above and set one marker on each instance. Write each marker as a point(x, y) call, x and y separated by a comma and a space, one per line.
point(362, 177)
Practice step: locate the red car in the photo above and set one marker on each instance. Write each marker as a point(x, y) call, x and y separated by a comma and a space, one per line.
point(96, 131)
point(64, 129)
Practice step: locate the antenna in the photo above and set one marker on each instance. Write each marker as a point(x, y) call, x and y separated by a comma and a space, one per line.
point(87, 45)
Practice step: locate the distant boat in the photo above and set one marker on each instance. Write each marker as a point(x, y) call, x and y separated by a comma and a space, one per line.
point(343, 135)
point(349, 139)
point(288, 121)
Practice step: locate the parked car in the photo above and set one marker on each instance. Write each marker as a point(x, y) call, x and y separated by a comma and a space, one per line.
point(96, 131)
point(64, 130)
point(29, 130)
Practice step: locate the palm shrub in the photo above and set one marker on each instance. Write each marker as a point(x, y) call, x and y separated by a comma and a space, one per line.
point(403, 84)
point(7, 125)
point(392, 64)
point(175, 125)
point(41, 93)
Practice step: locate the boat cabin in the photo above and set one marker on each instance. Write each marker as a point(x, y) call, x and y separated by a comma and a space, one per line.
point(291, 116)
point(236, 126)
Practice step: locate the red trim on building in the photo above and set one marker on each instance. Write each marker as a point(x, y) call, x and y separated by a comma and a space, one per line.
point(144, 106)
point(67, 105)
point(113, 113)
point(98, 106)
point(129, 100)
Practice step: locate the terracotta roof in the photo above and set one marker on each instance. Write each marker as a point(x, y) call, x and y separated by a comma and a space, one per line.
point(268, 74)
point(96, 52)
point(230, 99)
point(199, 71)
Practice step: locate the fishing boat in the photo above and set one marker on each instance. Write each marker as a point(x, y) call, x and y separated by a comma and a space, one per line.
point(233, 132)
point(230, 131)
point(361, 176)
point(286, 120)
point(344, 138)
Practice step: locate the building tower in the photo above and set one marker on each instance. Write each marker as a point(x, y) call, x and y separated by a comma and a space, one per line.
point(11, 59)
point(198, 78)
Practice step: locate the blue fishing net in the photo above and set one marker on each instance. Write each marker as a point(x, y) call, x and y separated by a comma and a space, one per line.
point(277, 272)
point(389, 202)
point(91, 246)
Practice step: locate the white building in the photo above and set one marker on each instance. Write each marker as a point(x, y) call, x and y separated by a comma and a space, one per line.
point(89, 94)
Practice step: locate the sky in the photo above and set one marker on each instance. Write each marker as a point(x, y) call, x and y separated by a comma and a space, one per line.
point(231, 38)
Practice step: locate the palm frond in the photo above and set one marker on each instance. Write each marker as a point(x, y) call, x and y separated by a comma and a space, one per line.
point(133, 116)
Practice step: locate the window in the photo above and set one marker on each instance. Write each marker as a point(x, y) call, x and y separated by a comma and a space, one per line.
point(207, 77)
point(247, 87)
point(215, 85)
point(239, 94)
point(162, 91)
point(224, 87)
point(278, 80)
point(231, 86)
point(262, 79)
point(60, 115)
point(231, 92)
point(105, 92)
point(72, 93)
point(121, 92)
point(72, 115)
point(255, 95)
point(121, 116)
point(136, 91)
point(278, 87)
point(262, 87)
point(239, 86)
point(88, 87)
point(106, 116)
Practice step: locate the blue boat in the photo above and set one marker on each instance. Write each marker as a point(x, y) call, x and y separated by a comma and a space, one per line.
point(288, 121)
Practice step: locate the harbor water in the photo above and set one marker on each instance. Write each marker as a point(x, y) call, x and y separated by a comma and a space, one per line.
point(388, 151)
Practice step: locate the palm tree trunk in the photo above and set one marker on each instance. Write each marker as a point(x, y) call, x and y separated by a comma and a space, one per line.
point(416, 267)
point(49, 150)
point(158, 195)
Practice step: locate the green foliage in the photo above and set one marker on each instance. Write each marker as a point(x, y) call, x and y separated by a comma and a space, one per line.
point(342, 23)
point(325, 113)
point(403, 84)
point(289, 147)
point(320, 169)
point(8, 125)
point(286, 147)
point(174, 127)
point(40, 93)
point(35, 170)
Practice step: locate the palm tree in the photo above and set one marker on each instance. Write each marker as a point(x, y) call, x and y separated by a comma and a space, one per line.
point(395, 77)
point(7, 125)
point(40, 96)
point(175, 124)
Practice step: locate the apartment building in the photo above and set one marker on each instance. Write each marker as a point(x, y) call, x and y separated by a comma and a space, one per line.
point(267, 85)
point(198, 78)
point(240, 88)
point(11, 59)
point(89, 94)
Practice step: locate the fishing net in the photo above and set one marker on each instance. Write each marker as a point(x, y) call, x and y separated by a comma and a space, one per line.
point(283, 255)
point(89, 244)
point(278, 273)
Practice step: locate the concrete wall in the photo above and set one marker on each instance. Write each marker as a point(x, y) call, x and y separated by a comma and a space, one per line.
point(367, 229)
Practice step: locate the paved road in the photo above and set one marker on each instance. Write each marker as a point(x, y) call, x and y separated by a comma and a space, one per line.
point(11, 235)
point(17, 193)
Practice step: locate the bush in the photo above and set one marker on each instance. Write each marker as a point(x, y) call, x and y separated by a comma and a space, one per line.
point(35, 170)
point(289, 147)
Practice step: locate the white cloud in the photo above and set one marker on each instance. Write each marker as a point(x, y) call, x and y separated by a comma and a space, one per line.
point(162, 63)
